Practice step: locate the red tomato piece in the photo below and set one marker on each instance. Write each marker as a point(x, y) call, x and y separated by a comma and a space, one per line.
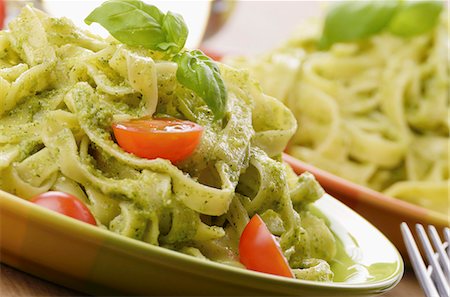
point(2, 13)
point(259, 251)
point(65, 204)
point(149, 138)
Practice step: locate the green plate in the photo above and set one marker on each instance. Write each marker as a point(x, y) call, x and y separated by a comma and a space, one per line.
point(99, 262)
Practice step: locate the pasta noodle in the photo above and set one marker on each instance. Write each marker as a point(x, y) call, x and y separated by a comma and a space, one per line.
point(62, 88)
point(375, 111)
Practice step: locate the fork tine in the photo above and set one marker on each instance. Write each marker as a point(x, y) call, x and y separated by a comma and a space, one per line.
point(437, 274)
point(447, 239)
point(439, 248)
point(416, 260)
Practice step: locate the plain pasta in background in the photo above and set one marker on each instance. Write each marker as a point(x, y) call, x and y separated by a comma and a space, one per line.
point(375, 112)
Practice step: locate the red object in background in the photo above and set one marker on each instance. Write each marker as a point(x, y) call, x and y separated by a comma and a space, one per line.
point(65, 204)
point(212, 54)
point(259, 251)
point(2, 13)
point(149, 138)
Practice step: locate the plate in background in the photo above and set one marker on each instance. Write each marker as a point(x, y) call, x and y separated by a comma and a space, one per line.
point(384, 212)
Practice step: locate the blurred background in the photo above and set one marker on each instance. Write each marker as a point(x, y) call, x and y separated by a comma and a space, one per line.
point(253, 27)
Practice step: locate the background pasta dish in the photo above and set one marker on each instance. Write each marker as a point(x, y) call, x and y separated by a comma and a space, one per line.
point(374, 110)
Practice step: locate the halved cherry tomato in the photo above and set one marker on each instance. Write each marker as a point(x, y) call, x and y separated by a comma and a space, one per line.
point(259, 251)
point(2, 13)
point(149, 138)
point(65, 204)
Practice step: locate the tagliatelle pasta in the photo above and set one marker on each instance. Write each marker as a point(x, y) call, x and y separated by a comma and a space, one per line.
point(62, 88)
point(374, 111)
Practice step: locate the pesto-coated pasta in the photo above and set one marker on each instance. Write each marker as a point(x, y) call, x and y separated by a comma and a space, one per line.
point(63, 88)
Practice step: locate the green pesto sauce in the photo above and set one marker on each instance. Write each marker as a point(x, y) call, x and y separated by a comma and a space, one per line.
point(346, 269)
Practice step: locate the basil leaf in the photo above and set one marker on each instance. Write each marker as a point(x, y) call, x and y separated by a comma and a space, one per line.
point(135, 23)
point(175, 29)
point(415, 17)
point(354, 20)
point(200, 74)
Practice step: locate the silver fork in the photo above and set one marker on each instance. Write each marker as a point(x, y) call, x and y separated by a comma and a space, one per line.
point(434, 278)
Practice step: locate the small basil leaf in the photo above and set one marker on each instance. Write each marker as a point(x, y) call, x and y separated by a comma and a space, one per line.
point(354, 20)
point(173, 26)
point(138, 24)
point(200, 74)
point(415, 17)
point(175, 29)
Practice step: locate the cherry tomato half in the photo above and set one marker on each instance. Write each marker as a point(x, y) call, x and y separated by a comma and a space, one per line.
point(259, 251)
point(65, 204)
point(149, 138)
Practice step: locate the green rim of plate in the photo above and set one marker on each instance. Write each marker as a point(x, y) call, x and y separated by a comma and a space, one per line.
point(195, 266)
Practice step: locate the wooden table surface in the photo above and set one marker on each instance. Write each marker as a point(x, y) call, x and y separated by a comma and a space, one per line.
point(14, 283)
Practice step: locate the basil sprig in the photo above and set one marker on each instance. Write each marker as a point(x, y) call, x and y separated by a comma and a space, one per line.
point(199, 73)
point(356, 20)
point(138, 24)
